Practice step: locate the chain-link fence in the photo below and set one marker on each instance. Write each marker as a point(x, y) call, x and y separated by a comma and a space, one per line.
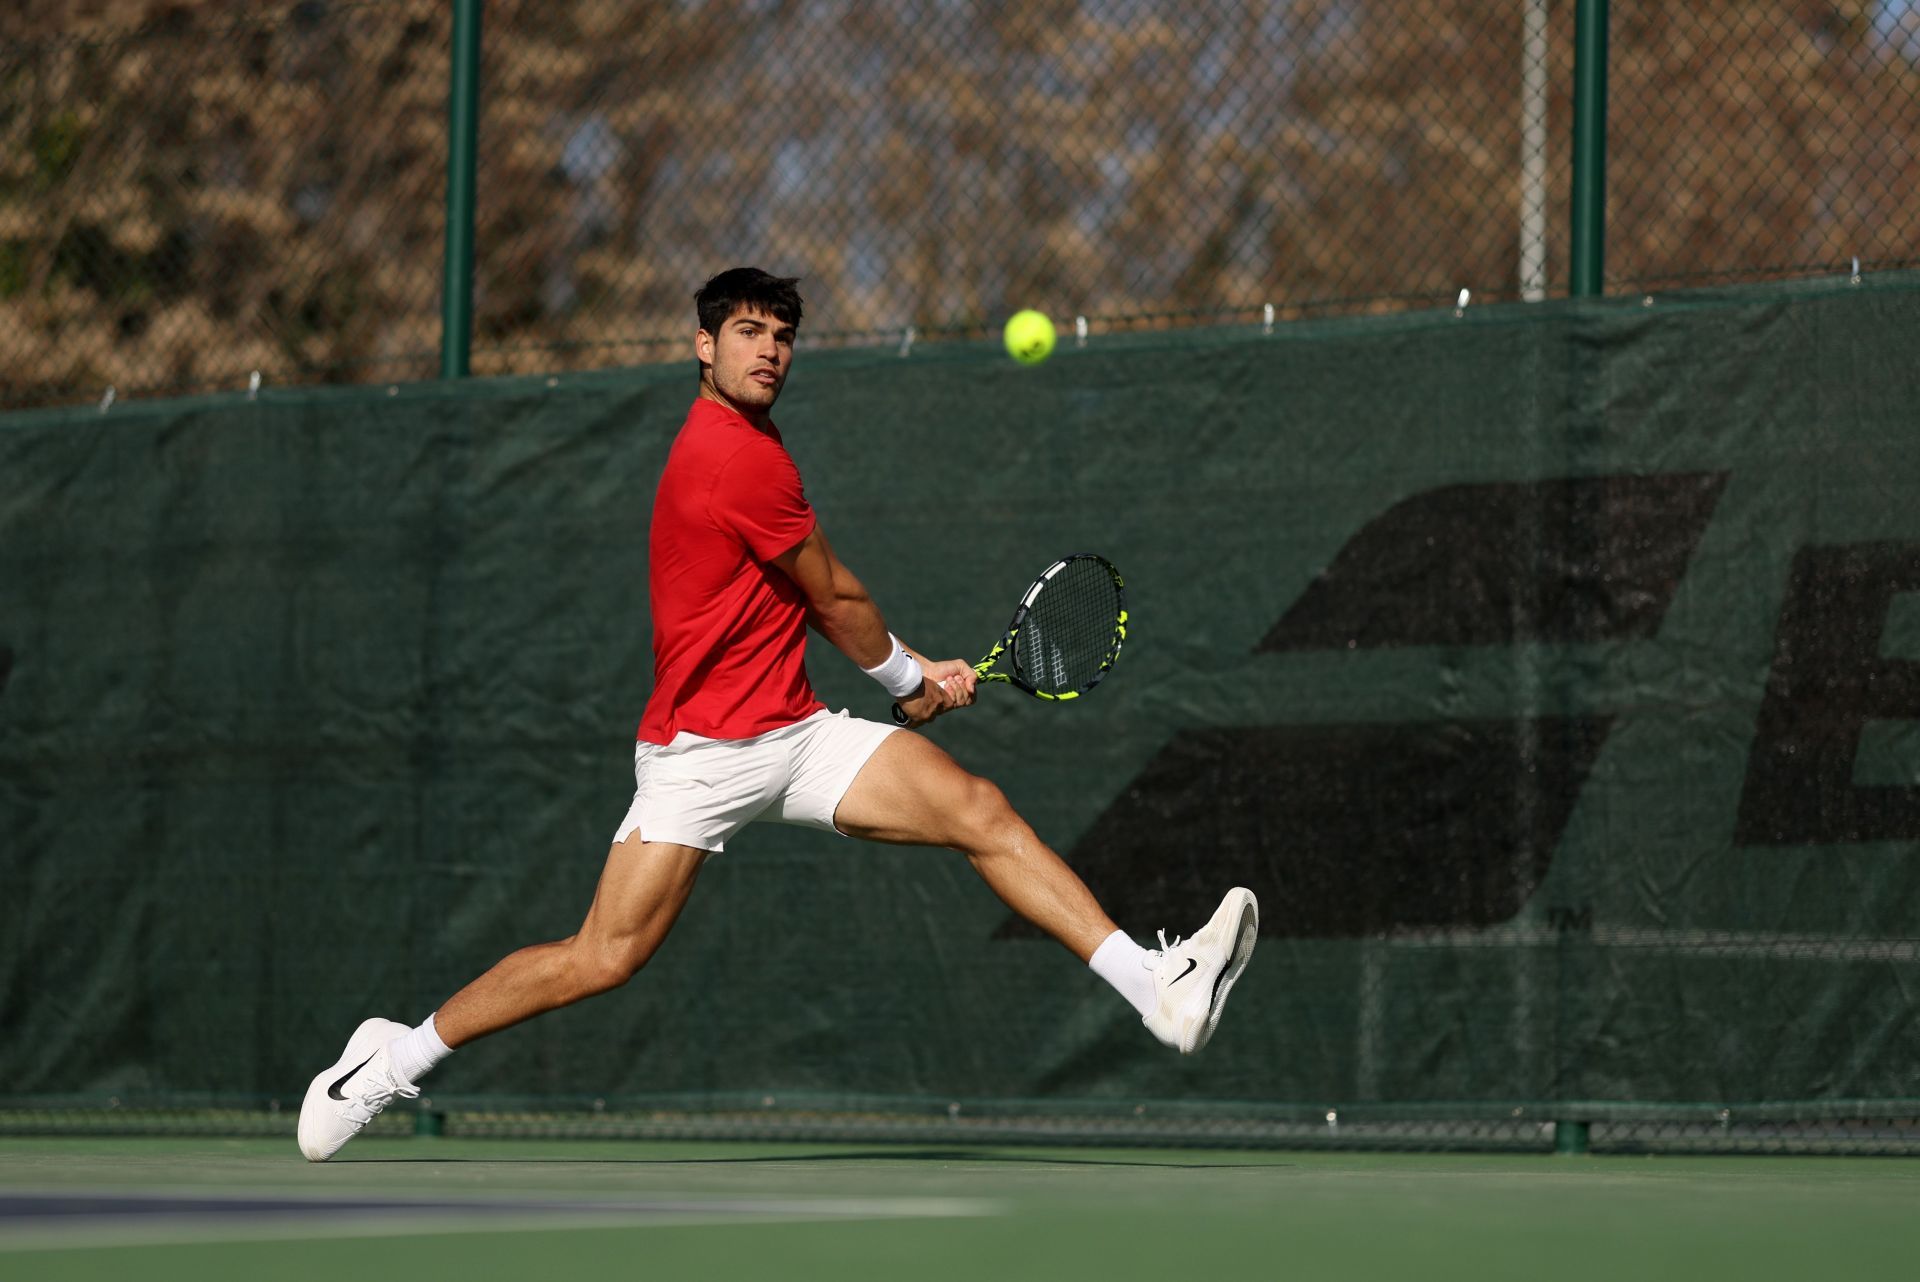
point(941, 165)
point(1750, 140)
point(776, 1120)
point(216, 194)
point(219, 192)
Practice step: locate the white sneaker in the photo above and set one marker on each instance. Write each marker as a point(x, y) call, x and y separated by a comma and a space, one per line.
point(1191, 979)
point(344, 1098)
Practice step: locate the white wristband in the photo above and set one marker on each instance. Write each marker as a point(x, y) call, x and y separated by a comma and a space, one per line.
point(901, 674)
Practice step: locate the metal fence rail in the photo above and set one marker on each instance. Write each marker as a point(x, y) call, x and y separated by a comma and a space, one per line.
point(224, 191)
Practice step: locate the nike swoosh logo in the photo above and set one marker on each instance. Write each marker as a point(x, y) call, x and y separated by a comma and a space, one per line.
point(1191, 963)
point(334, 1090)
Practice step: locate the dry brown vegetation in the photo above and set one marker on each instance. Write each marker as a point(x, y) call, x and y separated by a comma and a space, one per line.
point(192, 191)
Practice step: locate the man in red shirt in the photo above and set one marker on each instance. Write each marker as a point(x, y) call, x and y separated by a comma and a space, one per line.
point(740, 568)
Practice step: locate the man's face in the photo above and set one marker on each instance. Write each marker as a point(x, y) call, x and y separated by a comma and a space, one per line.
point(749, 358)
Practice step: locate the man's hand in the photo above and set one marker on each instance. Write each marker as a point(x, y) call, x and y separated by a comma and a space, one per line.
point(950, 684)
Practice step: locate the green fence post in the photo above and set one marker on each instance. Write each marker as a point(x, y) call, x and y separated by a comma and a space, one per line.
point(1589, 147)
point(1570, 1138)
point(463, 130)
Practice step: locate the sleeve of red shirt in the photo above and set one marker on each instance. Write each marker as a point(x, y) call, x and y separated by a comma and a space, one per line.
point(758, 496)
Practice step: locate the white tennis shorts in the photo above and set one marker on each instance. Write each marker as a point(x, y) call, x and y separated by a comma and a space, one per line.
point(698, 792)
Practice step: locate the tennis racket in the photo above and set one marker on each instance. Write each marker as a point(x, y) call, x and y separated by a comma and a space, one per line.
point(1066, 632)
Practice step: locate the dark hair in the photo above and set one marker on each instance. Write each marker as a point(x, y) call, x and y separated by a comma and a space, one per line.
point(750, 287)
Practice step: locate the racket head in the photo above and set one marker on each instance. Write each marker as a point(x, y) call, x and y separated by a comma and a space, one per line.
point(1067, 631)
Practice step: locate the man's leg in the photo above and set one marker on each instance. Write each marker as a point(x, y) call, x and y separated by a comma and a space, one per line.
point(911, 792)
point(642, 890)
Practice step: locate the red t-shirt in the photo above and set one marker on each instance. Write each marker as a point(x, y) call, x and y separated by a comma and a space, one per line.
point(729, 627)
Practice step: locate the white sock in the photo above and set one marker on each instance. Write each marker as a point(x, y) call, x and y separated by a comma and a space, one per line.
point(1123, 963)
point(414, 1054)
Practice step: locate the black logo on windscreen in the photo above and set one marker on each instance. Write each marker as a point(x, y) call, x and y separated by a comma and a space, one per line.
point(1358, 827)
point(1831, 682)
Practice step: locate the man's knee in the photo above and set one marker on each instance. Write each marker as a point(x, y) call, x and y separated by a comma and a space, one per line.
point(981, 810)
point(600, 969)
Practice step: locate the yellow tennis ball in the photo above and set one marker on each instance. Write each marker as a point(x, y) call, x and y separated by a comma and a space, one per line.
point(1029, 337)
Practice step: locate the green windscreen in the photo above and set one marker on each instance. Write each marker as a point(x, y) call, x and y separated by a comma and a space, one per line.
point(1551, 673)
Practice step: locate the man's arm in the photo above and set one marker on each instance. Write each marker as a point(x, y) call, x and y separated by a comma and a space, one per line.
point(840, 610)
point(838, 605)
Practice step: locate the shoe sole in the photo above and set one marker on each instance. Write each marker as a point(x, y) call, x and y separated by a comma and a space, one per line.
point(366, 1040)
point(1246, 931)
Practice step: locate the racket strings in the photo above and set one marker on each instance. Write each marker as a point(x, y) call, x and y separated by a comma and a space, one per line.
point(1070, 630)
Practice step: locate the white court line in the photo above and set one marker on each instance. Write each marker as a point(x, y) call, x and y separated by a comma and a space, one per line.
point(186, 1227)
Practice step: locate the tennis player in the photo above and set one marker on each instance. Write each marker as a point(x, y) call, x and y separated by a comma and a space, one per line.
point(740, 568)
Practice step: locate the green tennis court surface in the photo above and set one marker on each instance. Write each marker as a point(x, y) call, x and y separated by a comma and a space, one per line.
point(474, 1209)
